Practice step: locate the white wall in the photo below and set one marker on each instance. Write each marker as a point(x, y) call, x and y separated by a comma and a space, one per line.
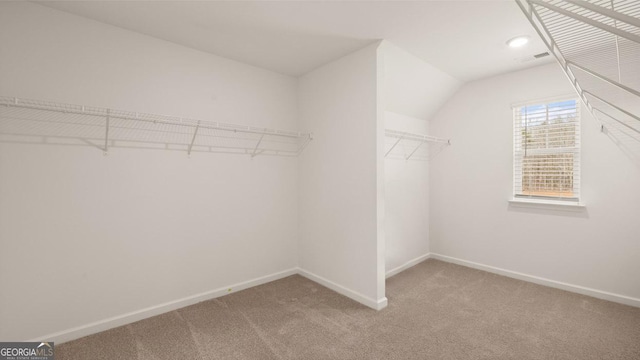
point(414, 90)
point(471, 181)
point(338, 183)
point(414, 87)
point(406, 196)
point(84, 237)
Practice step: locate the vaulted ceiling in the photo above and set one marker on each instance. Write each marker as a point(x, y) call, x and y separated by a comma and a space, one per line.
point(463, 38)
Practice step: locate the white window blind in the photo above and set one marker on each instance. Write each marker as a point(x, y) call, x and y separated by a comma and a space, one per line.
point(547, 151)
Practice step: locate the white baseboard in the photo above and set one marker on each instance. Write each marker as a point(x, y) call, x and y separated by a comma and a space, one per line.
point(128, 318)
point(622, 299)
point(407, 265)
point(110, 323)
point(365, 300)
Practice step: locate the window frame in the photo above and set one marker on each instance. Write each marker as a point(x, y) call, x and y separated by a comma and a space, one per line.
point(542, 201)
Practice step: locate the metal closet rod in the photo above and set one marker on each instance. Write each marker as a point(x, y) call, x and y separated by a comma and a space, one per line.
point(612, 105)
point(415, 136)
point(604, 78)
point(151, 118)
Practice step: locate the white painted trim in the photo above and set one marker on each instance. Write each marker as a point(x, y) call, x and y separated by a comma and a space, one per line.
point(622, 299)
point(110, 323)
point(365, 300)
point(547, 204)
point(407, 265)
point(128, 318)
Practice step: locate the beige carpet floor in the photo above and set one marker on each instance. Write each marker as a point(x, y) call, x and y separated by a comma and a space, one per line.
point(436, 311)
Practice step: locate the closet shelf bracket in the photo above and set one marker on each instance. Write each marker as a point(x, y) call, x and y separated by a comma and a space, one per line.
point(193, 139)
point(394, 145)
point(106, 132)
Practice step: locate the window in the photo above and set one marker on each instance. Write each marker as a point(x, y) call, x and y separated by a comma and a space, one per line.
point(546, 148)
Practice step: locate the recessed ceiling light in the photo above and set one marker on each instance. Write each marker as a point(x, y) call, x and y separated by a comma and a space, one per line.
point(518, 41)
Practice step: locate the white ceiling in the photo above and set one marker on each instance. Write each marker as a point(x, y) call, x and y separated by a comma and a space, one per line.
point(463, 38)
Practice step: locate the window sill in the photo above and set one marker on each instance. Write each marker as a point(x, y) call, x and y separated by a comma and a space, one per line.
point(548, 204)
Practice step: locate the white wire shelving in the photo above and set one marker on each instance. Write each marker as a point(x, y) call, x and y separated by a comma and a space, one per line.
point(597, 44)
point(407, 145)
point(109, 128)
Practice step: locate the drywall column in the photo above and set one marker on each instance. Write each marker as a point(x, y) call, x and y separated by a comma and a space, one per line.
point(339, 244)
point(414, 91)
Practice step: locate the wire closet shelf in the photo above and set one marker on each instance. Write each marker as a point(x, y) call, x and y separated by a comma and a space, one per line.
point(410, 143)
point(597, 44)
point(108, 128)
